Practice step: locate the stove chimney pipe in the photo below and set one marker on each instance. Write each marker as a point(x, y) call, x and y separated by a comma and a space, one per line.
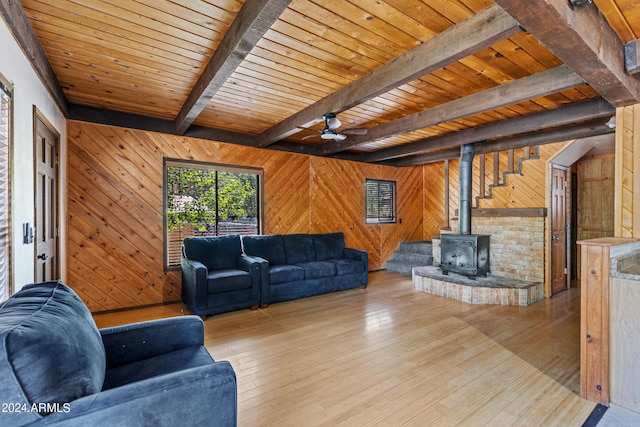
point(465, 180)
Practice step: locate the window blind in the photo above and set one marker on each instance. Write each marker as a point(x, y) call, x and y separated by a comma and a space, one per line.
point(380, 201)
point(5, 208)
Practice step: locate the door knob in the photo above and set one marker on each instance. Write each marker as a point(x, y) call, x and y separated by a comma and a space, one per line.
point(42, 257)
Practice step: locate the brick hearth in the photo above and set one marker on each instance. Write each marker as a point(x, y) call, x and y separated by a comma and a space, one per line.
point(483, 290)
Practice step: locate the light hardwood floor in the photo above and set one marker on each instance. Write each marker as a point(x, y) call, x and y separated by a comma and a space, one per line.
point(392, 356)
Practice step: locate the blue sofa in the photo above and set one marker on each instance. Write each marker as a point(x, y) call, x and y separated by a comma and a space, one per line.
point(57, 368)
point(217, 276)
point(301, 265)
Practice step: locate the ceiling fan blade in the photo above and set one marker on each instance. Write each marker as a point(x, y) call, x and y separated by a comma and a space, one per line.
point(355, 131)
point(330, 133)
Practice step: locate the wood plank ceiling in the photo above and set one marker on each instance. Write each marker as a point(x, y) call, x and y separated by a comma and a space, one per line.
point(422, 76)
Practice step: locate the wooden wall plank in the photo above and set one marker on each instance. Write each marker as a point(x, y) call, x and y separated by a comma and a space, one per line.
point(337, 200)
point(625, 343)
point(627, 179)
point(433, 199)
point(115, 240)
point(596, 188)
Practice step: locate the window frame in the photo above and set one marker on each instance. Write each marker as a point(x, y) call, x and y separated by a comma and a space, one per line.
point(369, 219)
point(259, 172)
point(8, 90)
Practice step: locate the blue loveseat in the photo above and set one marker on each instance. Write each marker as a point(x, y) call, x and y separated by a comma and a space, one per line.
point(301, 265)
point(58, 368)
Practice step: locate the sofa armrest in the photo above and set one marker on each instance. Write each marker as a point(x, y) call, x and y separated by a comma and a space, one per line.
point(250, 263)
point(137, 341)
point(194, 284)
point(263, 276)
point(357, 254)
point(259, 270)
point(195, 269)
point(205, 395)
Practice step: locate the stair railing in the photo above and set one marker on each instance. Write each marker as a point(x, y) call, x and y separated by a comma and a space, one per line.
point(498, 176)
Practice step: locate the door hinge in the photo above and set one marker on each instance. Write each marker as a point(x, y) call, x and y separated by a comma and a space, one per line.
point(565, 270)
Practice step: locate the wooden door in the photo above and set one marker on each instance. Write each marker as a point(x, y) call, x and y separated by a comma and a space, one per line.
point(558, 231)
point(46, 204)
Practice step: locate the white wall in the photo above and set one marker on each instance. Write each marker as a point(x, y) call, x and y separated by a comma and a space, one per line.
point(28, 91)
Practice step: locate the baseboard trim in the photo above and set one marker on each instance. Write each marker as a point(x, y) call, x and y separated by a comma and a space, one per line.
point(118, 310)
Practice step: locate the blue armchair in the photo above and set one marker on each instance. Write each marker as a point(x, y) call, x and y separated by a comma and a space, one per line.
point(57, 368)
point(218, 277)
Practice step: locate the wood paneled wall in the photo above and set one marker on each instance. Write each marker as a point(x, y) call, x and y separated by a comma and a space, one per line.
point(595, 196)
point(627, 181)
point(115, 237)
point(434, 203)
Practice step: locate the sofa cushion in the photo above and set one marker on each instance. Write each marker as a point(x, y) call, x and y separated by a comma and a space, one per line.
point(166, 363)
point(328, 246)
point(348, 266)
point(269, 247)
point(299, 248)
point(317, 269)
point(216, 253)
point(228, 280)
point(285, 273)
point(50, 342)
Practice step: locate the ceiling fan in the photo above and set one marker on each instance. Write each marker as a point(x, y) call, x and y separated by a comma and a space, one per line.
point(330, 131)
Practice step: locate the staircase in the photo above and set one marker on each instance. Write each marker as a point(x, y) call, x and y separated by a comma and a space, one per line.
point(411, 254)
point(513, 166)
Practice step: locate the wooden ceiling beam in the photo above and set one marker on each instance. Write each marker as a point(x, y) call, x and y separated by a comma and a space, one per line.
point(582, 39)
point(472, 35)
point(573, 113)
point(550, 136)
point(19, 24)
point(153, 124)
point(540, 84)
point(252, 22)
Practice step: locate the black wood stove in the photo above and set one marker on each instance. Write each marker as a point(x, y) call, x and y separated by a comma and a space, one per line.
point(465, 253)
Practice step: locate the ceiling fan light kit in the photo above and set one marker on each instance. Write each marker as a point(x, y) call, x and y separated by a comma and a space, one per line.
point(579, 3)
point(332, 121)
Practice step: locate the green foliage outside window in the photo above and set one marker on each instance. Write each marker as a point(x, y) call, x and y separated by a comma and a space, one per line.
point(203, 197)
point(208, 200)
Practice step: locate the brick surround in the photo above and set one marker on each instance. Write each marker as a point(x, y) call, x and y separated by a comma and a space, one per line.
point(516, 257)
point(517, 245)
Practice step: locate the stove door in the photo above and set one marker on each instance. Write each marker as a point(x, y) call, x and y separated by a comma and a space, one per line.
point(466, 254)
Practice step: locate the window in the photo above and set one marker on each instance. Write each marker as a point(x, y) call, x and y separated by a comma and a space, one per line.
point(380, 201)
point(203, 199)
point(5, 188)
